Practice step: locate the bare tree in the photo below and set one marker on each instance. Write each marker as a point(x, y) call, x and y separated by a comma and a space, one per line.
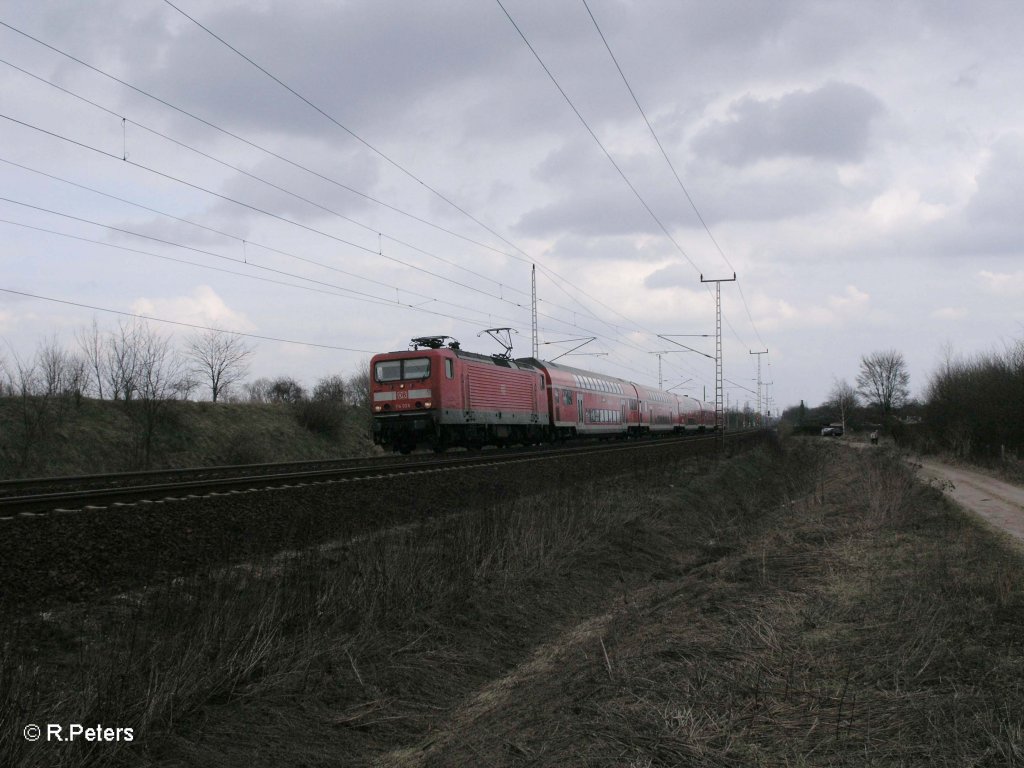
point(32, 414)
point(122, 360)
point(843, 397)
point(330, 388)
point(358, 386)
point(91, 344)
point(158, 373)
point(63, 375)
point(258, 391)
point(884, 380)
point(220, 359)
point(285, 389)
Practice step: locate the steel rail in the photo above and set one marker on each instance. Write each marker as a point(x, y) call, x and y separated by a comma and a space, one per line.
point(19, 486)
point(97, 498)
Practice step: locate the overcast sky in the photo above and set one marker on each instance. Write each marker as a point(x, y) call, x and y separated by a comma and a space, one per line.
point(858, 164)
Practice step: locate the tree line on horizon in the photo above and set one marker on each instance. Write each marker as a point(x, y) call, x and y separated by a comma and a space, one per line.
point(972, 407)
point(145, 371)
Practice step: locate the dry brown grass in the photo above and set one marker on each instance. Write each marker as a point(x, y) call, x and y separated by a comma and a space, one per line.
point(799, 609)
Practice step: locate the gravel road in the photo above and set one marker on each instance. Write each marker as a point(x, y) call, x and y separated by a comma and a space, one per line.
point(996, 501)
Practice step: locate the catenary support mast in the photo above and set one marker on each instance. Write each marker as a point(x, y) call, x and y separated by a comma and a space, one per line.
point(719, 389)
point(533, 311)
point(760, 409)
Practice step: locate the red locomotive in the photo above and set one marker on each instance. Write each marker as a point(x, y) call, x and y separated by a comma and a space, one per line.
point(438, 395)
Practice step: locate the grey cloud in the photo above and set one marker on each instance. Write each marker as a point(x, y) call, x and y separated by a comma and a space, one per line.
point(991, 221)
point(832, 122)
point(672, 276)
point(587, 214)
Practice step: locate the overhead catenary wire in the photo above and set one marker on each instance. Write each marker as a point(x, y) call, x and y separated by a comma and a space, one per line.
point(526, 258)
point(353, 294)
point(595, 137)
point(556, 278)
point(362, 295)
point(671, 165)
point(347, 293)
point(183, 324)
point(290, 221)
point(604, 149)
point(257, 209)
point(256, 177)
point(237, 137)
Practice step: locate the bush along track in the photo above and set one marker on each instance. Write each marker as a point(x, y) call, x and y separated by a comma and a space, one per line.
point(811, 606)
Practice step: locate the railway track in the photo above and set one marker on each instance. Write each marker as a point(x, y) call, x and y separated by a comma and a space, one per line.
point(113, 539)
point(93, 492)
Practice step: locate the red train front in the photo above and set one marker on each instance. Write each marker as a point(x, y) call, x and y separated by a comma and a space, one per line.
point(436, 395)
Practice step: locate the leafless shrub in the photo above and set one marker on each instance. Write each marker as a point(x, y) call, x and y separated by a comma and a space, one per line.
point(283, 389)
point(358, 386)
point(330, 389)
point(258, 391)
point(34, 414)
point(976, 406)
point(322, 417)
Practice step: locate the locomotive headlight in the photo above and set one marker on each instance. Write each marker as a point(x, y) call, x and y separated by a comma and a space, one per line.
point(427, 404)
point(376, 408)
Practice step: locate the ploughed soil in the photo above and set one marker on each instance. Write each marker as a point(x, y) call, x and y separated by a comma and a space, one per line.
point(805, 606)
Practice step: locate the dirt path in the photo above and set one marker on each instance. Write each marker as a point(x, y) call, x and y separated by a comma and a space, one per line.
point(996, 501)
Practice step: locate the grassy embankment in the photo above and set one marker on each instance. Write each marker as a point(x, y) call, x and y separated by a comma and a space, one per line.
point(57, 436)
point(814, 608)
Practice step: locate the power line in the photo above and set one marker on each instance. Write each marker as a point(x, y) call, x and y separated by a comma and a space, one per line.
point(526, 258)
point(607, 154)
point(183, 324)
point(593, 135)
point(257, 209)
point(288, 221)
point(553, 274)
point(357, 295)
point(235, 136)
point(300, 197)
point(671, 165)
point(347, 130)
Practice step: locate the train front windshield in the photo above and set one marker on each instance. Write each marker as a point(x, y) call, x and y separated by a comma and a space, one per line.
point(412, 368)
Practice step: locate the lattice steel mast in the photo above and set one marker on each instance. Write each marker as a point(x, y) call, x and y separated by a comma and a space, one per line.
point(533, 304)
point(719, 389)
point(760, 409)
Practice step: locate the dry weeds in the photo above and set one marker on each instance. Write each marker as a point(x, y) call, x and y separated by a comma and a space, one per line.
point(799, 609)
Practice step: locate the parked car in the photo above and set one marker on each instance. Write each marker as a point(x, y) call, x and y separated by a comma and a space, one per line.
point(833, 430)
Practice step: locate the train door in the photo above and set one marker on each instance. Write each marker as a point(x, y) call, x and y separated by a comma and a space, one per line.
point(579, 407)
